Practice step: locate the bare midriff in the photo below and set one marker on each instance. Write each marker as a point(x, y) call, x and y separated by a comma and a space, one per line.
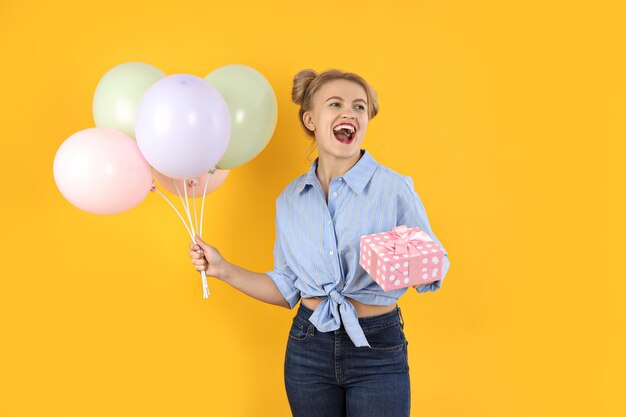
point(362, 310)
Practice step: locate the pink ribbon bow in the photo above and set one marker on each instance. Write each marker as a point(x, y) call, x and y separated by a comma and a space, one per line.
point(402, 241)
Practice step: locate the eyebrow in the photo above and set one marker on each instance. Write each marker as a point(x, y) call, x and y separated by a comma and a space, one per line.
point(358, 99)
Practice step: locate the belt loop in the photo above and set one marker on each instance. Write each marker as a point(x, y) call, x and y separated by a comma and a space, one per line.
point(401, 318)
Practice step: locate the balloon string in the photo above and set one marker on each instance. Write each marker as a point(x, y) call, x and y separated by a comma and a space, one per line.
point(187, 202)
point(177, 212)
point(211, 171)
point(183, 201)
point(195, 214)
point(205, 285)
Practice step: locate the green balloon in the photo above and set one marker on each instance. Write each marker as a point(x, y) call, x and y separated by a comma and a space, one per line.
point(118, 94)
point(253, 112)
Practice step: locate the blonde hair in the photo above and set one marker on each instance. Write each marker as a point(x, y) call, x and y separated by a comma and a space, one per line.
point(306, 82)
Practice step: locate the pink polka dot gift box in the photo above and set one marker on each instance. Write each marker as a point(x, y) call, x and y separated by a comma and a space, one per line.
point(402, 257)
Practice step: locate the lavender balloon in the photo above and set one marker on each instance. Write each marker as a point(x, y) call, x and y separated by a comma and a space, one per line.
point(182, 126)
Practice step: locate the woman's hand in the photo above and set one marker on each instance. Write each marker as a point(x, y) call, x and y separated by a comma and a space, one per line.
point(207, 258)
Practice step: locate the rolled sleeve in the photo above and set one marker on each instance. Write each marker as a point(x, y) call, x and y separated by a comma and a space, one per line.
point(411, 212)
point(282, 275)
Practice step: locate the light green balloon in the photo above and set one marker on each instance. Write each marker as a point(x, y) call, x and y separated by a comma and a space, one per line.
point(253, 112)
point(118, 94)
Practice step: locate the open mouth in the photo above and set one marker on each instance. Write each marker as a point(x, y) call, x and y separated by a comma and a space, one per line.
point(344, 133)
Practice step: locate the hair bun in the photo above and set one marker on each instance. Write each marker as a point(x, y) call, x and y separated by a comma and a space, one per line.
point(301, 83)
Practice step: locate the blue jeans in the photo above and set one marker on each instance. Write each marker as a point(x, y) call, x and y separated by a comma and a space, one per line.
point(326, 375)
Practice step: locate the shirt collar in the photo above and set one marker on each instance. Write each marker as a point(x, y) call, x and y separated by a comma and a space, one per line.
point(357, 177)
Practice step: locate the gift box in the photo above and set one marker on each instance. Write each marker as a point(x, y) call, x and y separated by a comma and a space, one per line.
point(402, 257)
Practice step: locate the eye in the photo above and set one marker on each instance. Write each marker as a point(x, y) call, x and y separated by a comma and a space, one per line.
point(360, 107)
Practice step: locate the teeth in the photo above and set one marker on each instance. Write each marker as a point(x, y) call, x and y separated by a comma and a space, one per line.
point(344, 126)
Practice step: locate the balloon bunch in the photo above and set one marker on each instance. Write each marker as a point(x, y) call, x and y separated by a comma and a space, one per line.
point(180, 131)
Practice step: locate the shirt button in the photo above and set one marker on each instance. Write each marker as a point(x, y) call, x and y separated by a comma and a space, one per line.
point(331, 252)
point(330, 221)
point(335, 194)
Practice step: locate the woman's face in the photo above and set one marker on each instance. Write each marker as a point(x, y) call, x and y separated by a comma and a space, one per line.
point(337, 103)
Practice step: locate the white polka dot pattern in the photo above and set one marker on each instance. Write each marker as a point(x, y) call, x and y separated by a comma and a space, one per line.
point(420, 266)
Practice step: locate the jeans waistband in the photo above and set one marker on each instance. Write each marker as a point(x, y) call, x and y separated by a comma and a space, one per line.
point(385, 319)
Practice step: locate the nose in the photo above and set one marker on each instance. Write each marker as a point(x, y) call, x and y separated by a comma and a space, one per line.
point(349, 114)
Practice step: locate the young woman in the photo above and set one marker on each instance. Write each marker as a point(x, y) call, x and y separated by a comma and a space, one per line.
point(346, 352)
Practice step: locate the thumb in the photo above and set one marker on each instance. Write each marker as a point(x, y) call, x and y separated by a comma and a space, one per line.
point(200, 242)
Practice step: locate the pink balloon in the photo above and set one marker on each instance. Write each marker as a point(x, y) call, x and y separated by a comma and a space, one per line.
point(215, 180)
point(102, 171)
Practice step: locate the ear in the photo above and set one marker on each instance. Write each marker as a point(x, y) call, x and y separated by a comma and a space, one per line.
point(308, 121)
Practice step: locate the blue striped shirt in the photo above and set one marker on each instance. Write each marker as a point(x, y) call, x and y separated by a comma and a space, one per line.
point(316, 251)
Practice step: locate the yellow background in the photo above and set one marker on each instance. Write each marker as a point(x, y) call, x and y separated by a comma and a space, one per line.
point(509, 116)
